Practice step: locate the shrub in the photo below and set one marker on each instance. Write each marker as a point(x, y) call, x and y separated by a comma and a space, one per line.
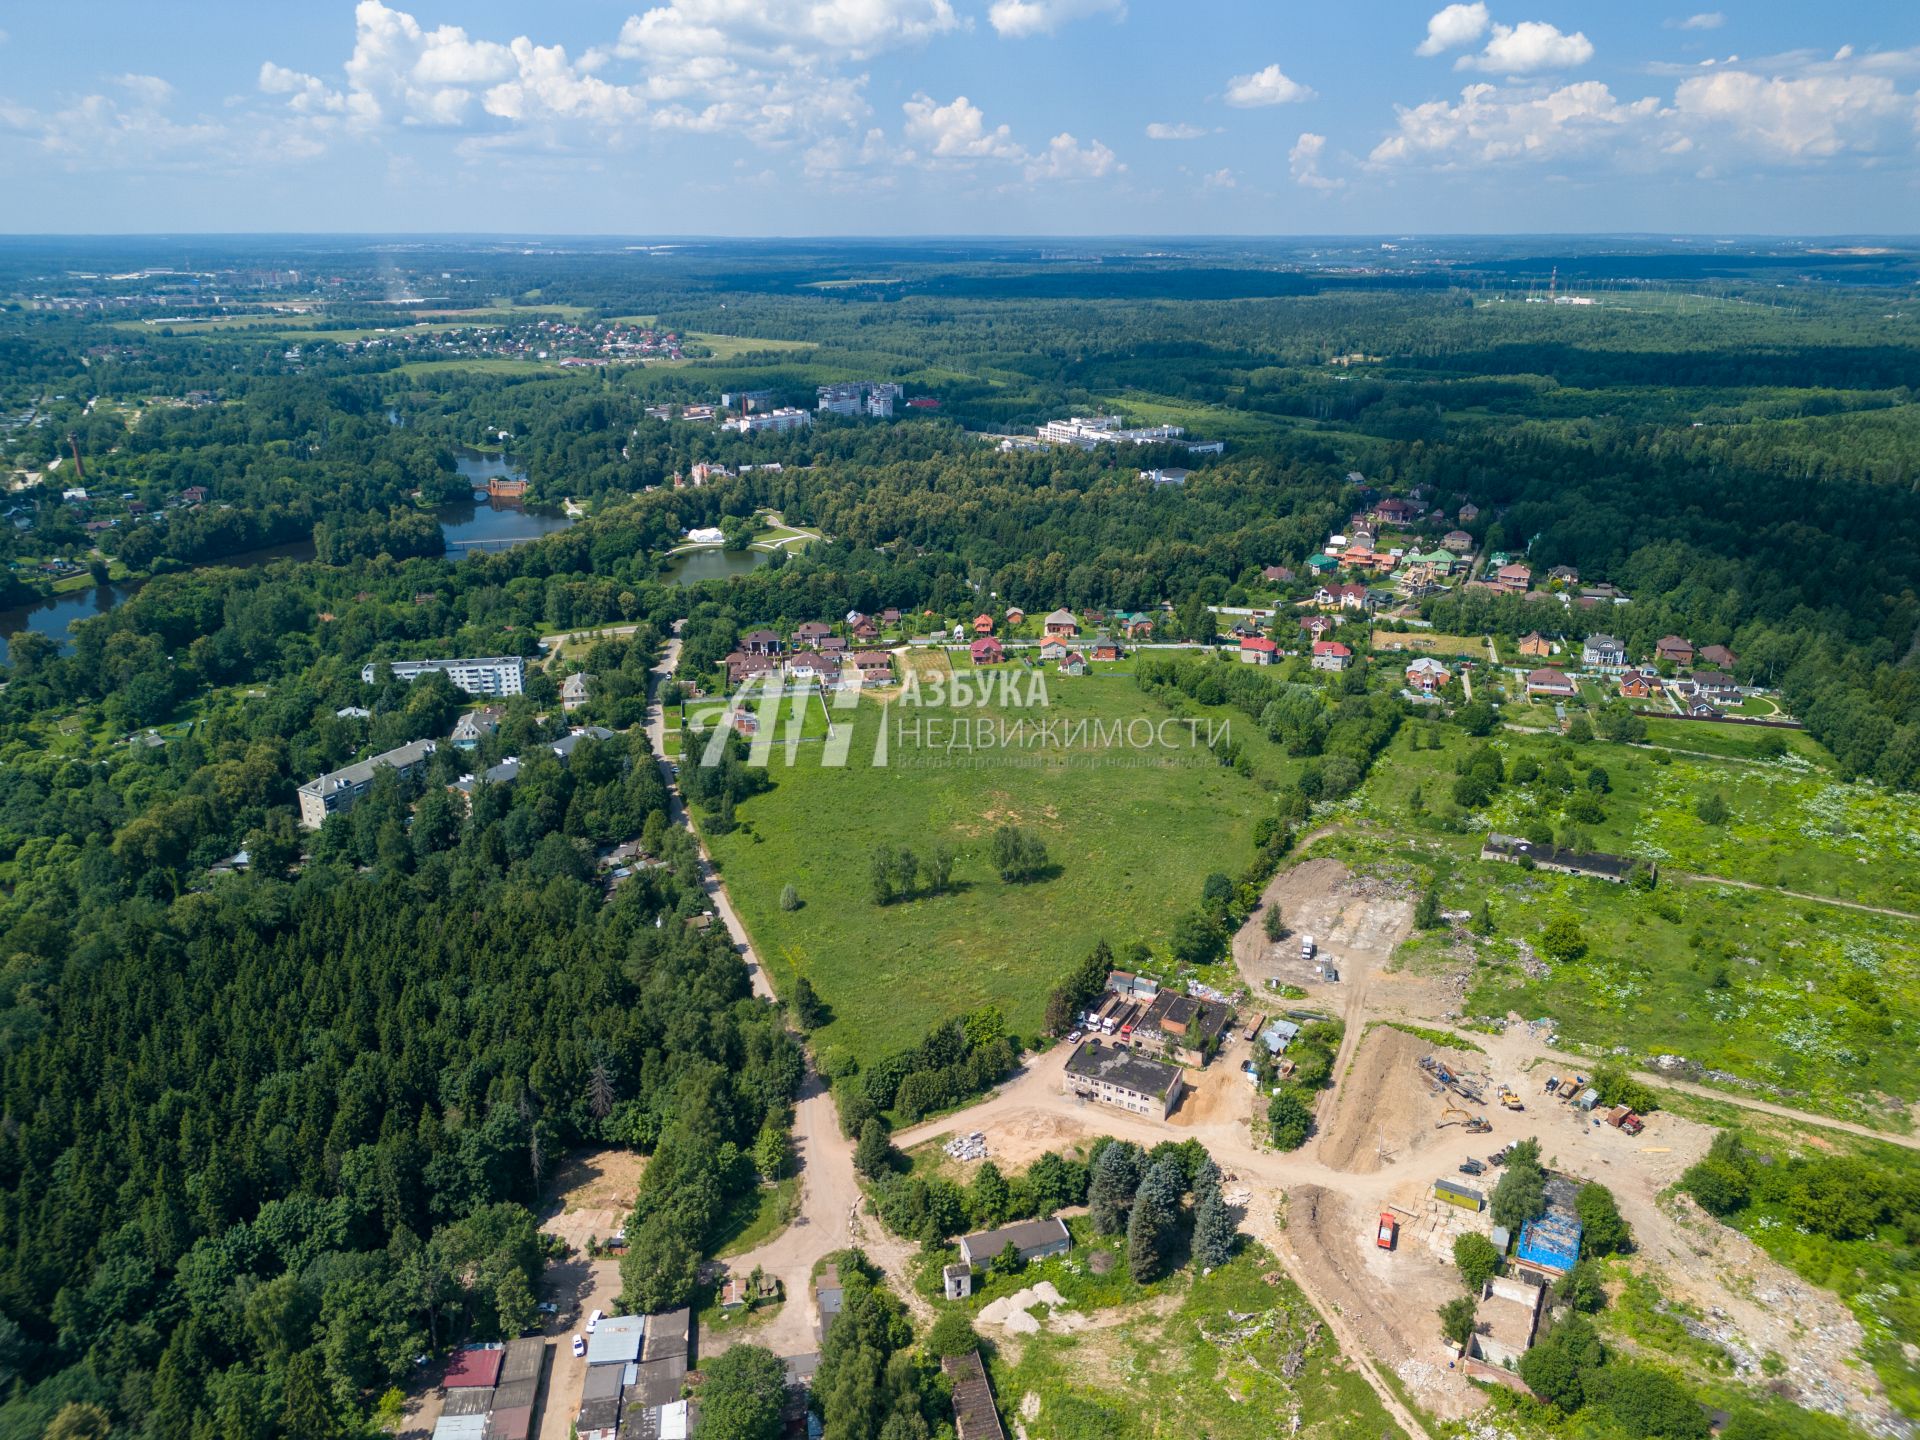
point(1477, 1259)
point(1289, 1120)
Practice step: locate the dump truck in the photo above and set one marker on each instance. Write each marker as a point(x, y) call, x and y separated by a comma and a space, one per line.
point(1389, 1228)
point(1633, 1124)
point(1510, 1100)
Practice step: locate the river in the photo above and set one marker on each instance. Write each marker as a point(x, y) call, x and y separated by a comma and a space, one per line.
point(465, 525)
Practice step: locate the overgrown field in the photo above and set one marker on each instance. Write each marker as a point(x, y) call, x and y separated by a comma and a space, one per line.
point(1240, 1355)
point(1128, 847)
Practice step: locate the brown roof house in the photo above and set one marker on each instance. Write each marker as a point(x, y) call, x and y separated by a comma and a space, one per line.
point(1673, 648)
point(1549, 682)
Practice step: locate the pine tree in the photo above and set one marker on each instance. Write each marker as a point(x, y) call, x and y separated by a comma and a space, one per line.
point(1116, 1175)
point(1148, 1230)
point(874, 1154)
point(1213, 1232)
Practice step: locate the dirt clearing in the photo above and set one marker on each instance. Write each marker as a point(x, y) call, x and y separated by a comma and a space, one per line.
point(1356, 922)
point(592, 1195)
point(1383, 1110)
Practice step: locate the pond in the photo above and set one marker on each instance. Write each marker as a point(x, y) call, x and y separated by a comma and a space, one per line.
point(690, 567)
point(465, 526)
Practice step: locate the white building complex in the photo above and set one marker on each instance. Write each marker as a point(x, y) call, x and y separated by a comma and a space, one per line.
point(860, 397)
point(486, 675)
point(778, 421)
point(341, 789)
point(1087, 431)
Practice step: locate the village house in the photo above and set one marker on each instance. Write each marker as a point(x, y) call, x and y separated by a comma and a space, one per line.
point(1317, 626)
point(987, 651)
point(890, 615)
point(1103, 648)
point(1535, 646)
point(1718, 656)
point(1715, 685)
point(1323, 564)
point(1015, 616)
point(1073, 663)
point(1277, 574)
point(1258, 650)
point(1052, 650)
point(864, 629)
point(1605, 653)
point(810, 633)
point(1469, 513)
point(1551, 684)
point(810, 665)
point(473, 727)
point(983, 624)
point(1673, 649)
point(1061, 625)
point(1634, 686)
point(1114, 1075)
point(1331, 655)
point(832, 645)
point(1135, 626)
point(1564, 574)
point(1458, 541)
point(573, 691)
point(874, 667)
point(760, 642)
point(1427, 676)
point(743, 666)
point(1513, 579)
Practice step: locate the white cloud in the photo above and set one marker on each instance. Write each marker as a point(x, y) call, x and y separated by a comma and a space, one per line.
point(1018, 19)
point(1222, 179)
point(307, 94)
point(1270, 86)
point(1490, 125)
point(1529, 47)
point(149, 90)
point(101, 132)
point(1160, 130)
point(400, 71)
point(1708, 20)
point(1453, 27)
point(1303, 161)
point(1800, 117)
point(757, 31)
point(1067, 159)
point(957, 131)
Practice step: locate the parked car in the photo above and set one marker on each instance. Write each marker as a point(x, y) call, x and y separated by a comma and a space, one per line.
point(548, 1307)
point(593, 1322)
point(579, 1346)
point(1074, 1038)
point(1472, 1167)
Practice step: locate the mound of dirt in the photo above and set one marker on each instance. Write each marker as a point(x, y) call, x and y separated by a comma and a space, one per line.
point(1383, 1111)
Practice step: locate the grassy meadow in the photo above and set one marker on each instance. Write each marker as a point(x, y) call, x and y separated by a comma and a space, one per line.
point(1129, 846)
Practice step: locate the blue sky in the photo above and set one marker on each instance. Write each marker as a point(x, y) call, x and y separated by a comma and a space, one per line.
point(792, 117)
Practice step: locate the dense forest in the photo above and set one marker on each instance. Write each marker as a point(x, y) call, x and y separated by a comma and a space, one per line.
point(267, 1137)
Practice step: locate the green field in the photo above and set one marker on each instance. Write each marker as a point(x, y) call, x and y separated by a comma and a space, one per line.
point(1130, 847)
point(1213, 1362)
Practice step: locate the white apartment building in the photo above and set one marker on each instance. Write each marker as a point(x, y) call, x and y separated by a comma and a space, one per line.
point(341, 789)
point(778, 421)
point(487, 675)
point(873, 398)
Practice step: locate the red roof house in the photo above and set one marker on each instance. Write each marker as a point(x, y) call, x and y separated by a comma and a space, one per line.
point(988, 651)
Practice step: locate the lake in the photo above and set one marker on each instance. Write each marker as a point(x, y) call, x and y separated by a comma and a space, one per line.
point(690, 567)
point(465, 526)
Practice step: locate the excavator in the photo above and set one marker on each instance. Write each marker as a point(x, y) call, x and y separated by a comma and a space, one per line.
point(1454, 1115)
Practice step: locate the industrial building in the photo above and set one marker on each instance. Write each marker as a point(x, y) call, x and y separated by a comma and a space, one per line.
point(1034, 1239)
point(485, 675)
point(489, 1391)
point(1114, 1075)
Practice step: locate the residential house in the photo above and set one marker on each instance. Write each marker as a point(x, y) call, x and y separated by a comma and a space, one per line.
point(874, 667)
point(890, 615)
point(1715, 685)
point(1074, 664)
point(1258, 650)
point(1605, 653)
point(1135, 626)
point(1103, 648)
point(1053, 650)
point(810, 633)
point(1277, 575)
point(1061, 625)
point(1114, 1075)
point(810, 665)
point(1535, 646)
point(1317, 626)
point(1634, 686)
point(1458, 541)
point(573, 691)
point(1673, 649)
point(760, 642)
point(1323, 564)
point(1394, 511)
point(865, 630)
point(1718, 656)
point(1015, 616)
point(1469, 513)
point(1564, 574)
point(474, 726)
point(742, 667)
point(1550, 684)
point(1034, 1239)
point(987, 651)
point(1513, 579)
point(1427, 676)
point(983, 624)
point(1701, 708)
point(1185, 1025)
point(1331, 655)
point(832, 645)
